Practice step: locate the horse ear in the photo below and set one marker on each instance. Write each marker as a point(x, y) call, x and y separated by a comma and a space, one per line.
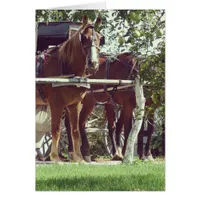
point(84, 19)
point(98, 21)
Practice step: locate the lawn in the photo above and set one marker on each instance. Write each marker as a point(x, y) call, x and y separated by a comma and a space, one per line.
point(140, 176)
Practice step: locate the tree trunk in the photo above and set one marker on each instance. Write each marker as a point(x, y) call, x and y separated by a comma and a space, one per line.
point(140, 100)
point(36, 36)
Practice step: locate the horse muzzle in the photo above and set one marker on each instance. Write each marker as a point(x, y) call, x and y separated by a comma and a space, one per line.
point(93, 68)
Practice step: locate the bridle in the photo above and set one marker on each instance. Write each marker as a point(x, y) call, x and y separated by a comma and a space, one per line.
point(84, 47)
point(94, 38)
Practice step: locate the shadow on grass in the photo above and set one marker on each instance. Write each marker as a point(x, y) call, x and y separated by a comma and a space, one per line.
point(146, 182)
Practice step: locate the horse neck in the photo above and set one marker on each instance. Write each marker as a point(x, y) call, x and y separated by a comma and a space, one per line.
point(117, 70)
point(79, 63)
point(72, 56)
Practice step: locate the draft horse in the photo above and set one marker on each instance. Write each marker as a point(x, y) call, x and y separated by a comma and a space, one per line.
point(62, 60)
point(125, 98)
point(125, 66)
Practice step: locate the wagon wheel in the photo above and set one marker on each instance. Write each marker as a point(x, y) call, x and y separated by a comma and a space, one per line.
point(46, 146)
point(45, 150)
point(63, 143)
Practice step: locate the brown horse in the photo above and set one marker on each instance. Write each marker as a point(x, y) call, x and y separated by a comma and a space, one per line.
point(124, 67)
point(62, 60)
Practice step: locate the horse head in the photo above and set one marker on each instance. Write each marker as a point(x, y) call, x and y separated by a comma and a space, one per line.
point(131, 64)
point(91, 42)
point(81, 51)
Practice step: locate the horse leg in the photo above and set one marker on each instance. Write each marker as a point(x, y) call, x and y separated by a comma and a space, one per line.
point(88, 106)
point(119, 126)
point(140, 143)
point(56, 114)
point(74, 112)
point(150, 131)
point(110, 113)
point(128, 116)
point(68, 131)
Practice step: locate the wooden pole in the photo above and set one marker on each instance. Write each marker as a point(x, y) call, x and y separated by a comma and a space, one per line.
point(77, 80)
point(140, 100)
point(36, 36)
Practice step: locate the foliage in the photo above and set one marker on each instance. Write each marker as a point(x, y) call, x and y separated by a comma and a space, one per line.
point(148, 176)
point(158, 143)
point(157, 146)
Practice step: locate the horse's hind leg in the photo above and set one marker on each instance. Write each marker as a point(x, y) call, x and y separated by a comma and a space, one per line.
point(140, 151)
point(68, 132)
point(110, 113)
point(56, 114)
point(74, 112)
point(119, 126)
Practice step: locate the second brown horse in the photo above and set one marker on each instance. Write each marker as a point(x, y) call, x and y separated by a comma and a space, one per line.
point(124, 66)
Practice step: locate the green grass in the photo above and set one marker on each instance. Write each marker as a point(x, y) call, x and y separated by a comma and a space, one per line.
point(141, 176)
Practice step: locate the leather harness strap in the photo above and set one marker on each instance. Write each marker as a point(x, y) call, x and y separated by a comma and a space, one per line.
point(107, 74)
point(133, 68)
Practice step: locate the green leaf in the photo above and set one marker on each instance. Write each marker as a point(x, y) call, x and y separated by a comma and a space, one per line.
point(132, 15)
point(154, 98)
point(159, 32)
point(121, 40)
point(136, 33)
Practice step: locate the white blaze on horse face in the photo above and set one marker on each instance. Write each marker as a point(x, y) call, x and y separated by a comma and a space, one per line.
point(94, 56)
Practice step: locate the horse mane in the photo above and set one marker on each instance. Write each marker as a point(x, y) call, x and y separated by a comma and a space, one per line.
point(68, 50)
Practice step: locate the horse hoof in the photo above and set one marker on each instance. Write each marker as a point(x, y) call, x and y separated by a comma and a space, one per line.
point(150, 157)
point(55, 158)
point(87, 158)
point(117, 157)
point(78, 158)
point(70, 154)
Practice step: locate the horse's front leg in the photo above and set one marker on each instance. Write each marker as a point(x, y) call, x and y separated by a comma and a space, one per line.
point(74, 112)
point(117, 150)
point(119, 126)
point(68, 132)
point(88, 107)
point(110, 113)
point(56, 114)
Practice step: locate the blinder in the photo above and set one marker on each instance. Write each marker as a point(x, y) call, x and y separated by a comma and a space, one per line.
point(93, 57)
point(102, 41)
